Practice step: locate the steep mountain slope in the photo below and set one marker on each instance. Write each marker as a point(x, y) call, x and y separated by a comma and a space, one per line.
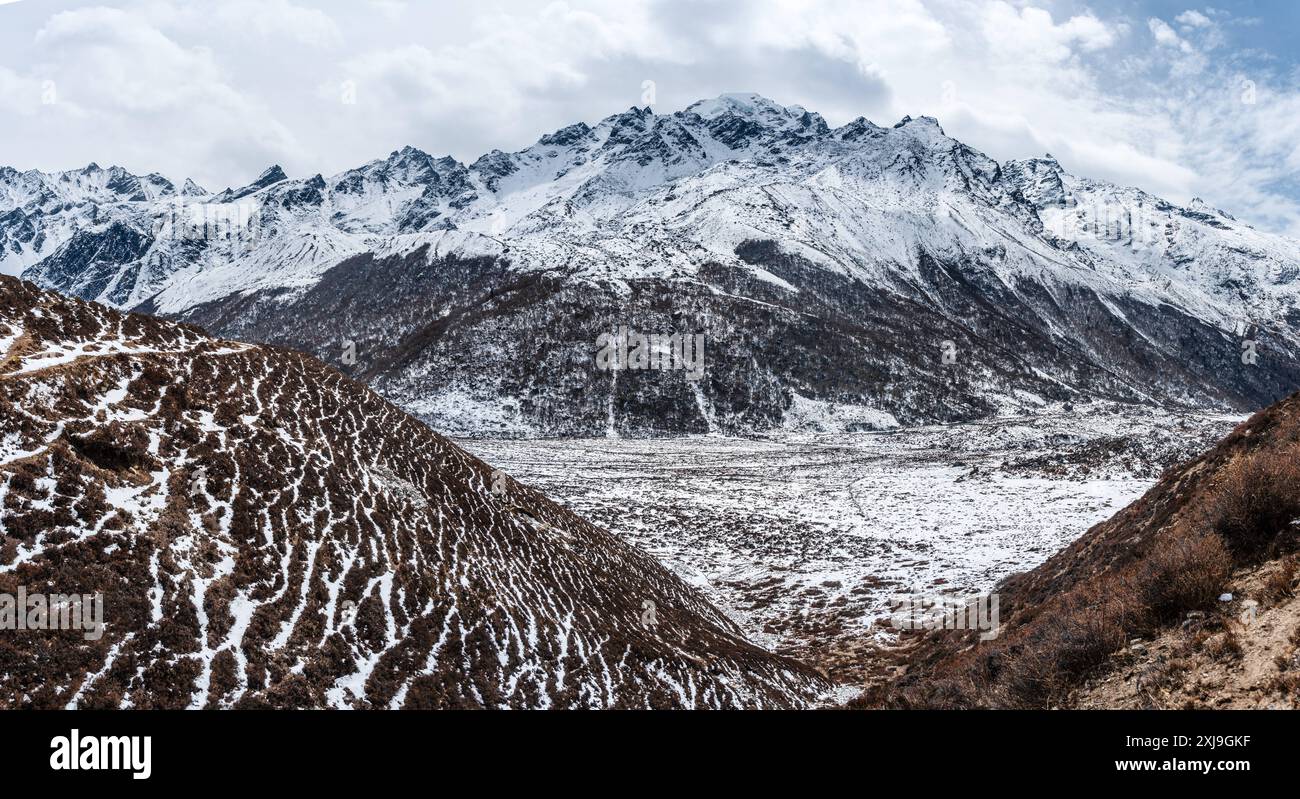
point(40, 213)
point(264, 531)
point(1185, 598)
point(824, 266)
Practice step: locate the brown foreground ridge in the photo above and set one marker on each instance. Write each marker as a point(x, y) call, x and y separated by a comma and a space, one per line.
point(263, 531)
point(1184, 599)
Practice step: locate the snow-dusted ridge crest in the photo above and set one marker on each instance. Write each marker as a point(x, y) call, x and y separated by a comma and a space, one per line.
point(1054, 286)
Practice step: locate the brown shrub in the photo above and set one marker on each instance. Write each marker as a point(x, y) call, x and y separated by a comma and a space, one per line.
point(1222, 646)
point(1286, 684)
point(1257, 499)
point(115, 448)
point(1280, 584)
point(1181, 574)
point(1160, 676)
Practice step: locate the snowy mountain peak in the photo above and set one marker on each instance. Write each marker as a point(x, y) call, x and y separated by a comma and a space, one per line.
point(408, 152)
point(750, 114)
point(272, 174)
point(923, 121)
point(411, 158)
point(857, 129)
point(747, 104)
point(269, 177)
point(923, 128)
point(562, 137)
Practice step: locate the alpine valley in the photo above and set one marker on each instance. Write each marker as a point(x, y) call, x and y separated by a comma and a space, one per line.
point(828, 269)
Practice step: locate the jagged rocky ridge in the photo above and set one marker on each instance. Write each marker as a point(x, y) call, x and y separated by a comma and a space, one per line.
point(826, 267)
point(266, 532)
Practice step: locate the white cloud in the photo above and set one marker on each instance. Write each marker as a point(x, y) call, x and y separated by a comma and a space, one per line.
point(274, 20)
point(499, 78)
point(128, 90)
point(1033, 33)
point(19, 94)
point(1192, 18)
point(1167, 36)
point(390, 9)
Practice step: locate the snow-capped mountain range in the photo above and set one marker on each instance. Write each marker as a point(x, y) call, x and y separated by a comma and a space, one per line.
point(826, 267)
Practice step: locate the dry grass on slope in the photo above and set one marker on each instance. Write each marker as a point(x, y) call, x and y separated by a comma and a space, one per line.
point(1241, 654)
point(1220, 518)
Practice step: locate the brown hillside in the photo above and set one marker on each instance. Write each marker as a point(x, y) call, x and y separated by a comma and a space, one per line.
point(1136, 601)
point(266, 532)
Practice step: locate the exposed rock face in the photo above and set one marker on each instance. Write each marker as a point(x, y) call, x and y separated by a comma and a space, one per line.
point(265, 531)
point(821, 264)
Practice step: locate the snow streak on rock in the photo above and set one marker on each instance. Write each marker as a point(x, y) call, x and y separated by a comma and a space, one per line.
point(265, 531)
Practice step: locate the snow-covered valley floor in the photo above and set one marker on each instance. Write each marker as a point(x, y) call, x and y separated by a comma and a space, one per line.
point(803, 539)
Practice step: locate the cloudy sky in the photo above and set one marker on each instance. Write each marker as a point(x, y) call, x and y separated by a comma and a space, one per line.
point(1181, 100)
